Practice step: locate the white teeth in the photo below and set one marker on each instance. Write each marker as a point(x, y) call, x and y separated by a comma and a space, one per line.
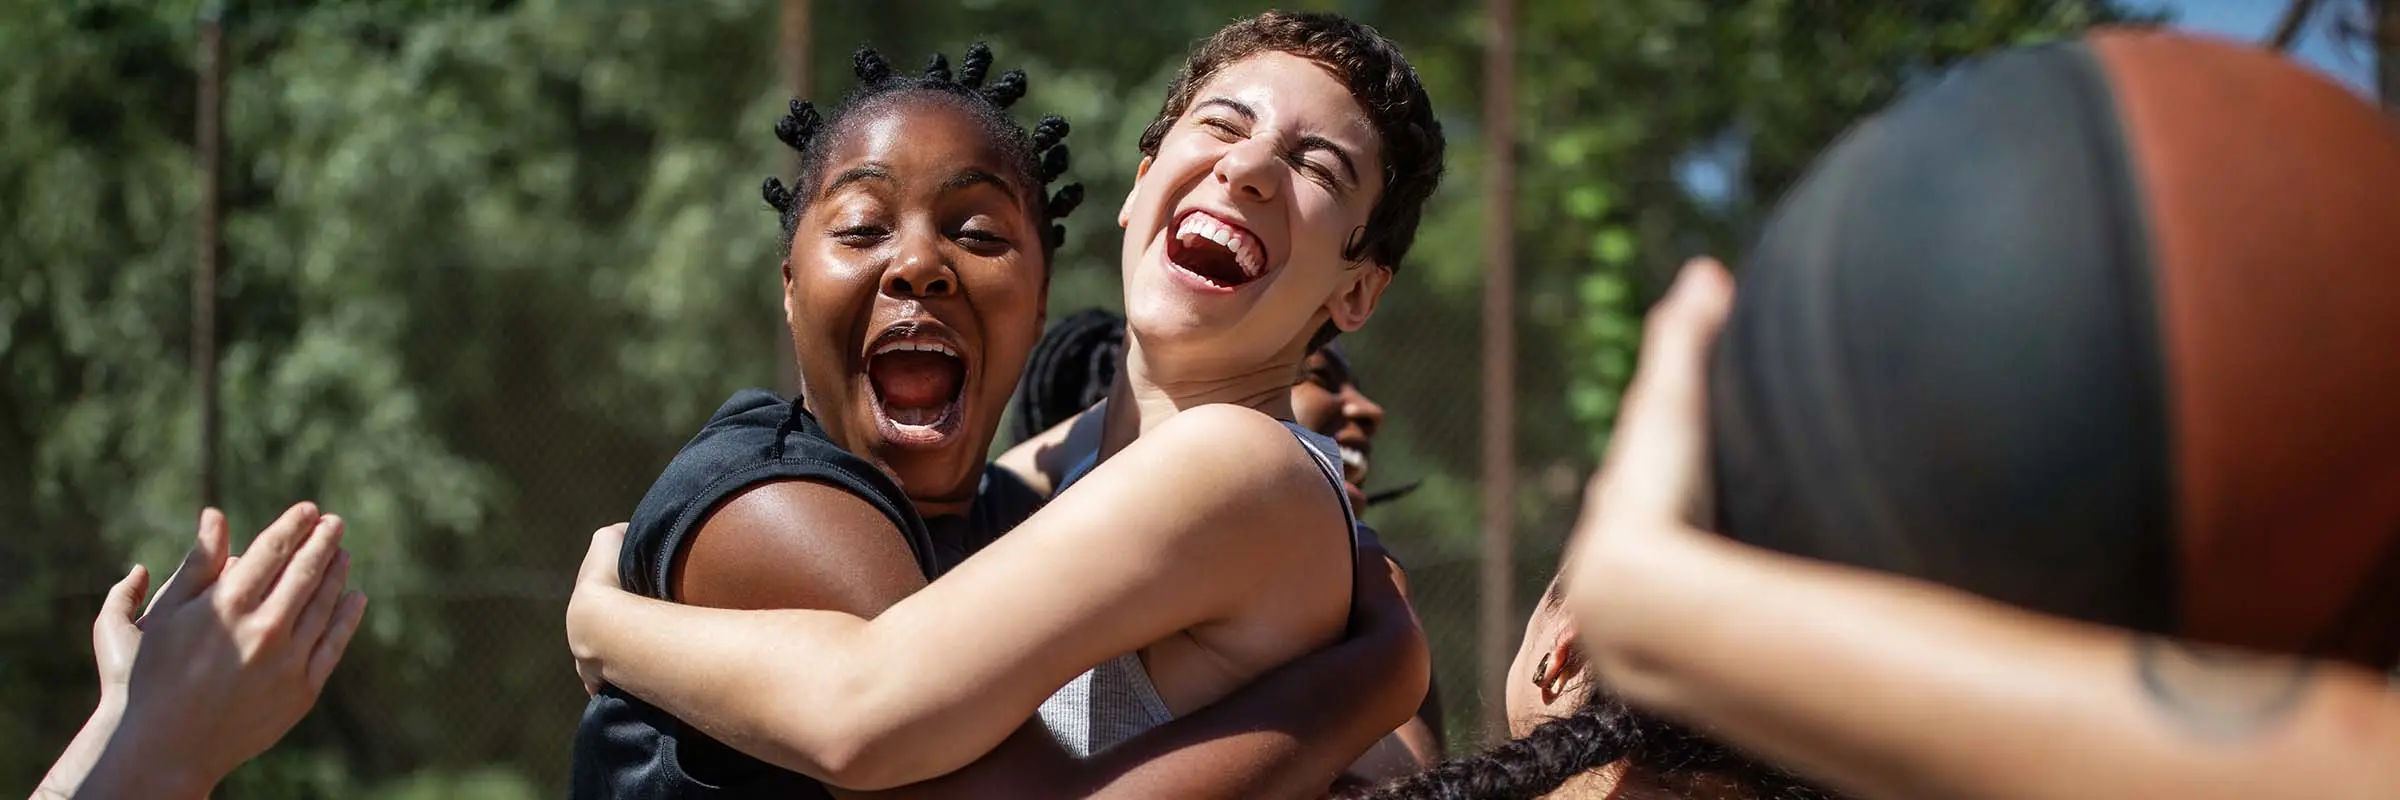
point(1201, 226)
point(915, 416)
point(1353, 459)
point(906, 345)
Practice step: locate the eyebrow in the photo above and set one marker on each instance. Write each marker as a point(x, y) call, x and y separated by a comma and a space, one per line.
point(871, 171)
point(1308, 143)
point(1230, 104)
point(975, 177)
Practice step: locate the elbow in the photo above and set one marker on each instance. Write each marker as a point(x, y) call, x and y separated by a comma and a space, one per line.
point(859, 740)
point(867, 764)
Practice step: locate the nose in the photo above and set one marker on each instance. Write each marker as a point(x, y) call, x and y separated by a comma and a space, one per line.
point(919, 270)
point(1248, 170)
point(1361, 410)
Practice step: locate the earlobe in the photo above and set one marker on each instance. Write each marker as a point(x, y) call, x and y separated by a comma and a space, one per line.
point(1125, 212)
point(1560, 667)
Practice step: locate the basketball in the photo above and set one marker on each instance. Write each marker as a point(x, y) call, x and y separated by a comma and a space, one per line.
point(2108, 329)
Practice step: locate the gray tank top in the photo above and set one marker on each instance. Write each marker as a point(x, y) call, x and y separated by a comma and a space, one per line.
point(1115, 701)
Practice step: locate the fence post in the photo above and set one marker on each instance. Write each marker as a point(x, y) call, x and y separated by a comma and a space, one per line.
point(1496, 625)
point(209, 140)
point(792, 44)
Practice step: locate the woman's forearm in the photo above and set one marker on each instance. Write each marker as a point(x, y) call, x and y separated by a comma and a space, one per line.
point(75, 763)
point(1896, 688)
point(789, 687)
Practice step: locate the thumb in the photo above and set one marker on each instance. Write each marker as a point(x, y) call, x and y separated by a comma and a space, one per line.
point(600, 562)
point(201, 566)
point(124, 597)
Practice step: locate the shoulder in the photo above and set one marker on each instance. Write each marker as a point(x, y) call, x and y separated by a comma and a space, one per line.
point(797, 544)
point(745, 447)
point(1242, 464)
point(1218, 432)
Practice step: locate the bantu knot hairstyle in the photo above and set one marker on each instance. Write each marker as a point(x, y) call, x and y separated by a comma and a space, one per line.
point(1040, 154)
point(1069, 369)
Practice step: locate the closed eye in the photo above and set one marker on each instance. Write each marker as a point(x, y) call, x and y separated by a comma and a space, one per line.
point(982, 241)
point(860, 235)
point(1316, 172)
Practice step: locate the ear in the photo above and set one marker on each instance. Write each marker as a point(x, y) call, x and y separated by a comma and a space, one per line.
point(1125, 212)
point(1350, 309)
point(790, 314)
point(1565, 664)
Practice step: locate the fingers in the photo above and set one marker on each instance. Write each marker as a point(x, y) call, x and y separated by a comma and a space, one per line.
point(346, 616)
point(308, 569)
point(1659, 450)
point(600, 562)
point(247, 583)
point(313, 619)
point(123, 598)
point(211, 553)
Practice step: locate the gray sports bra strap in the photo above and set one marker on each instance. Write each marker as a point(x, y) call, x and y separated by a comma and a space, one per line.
point(1328, 456)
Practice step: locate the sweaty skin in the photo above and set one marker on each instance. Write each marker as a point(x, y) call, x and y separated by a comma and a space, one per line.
point(1011, 632)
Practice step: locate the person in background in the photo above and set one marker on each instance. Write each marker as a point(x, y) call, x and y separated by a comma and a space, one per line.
point(1571, 739)
point(230, 654)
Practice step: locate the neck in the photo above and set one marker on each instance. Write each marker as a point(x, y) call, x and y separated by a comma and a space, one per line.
point(1145, 397)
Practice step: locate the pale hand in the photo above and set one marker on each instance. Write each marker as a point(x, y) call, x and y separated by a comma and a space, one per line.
point(595, 584)
point(225, 664)
point(1651, 495)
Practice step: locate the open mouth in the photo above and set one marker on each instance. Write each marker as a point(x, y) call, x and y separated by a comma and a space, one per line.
point(1354, 470)
point(917, 376)
point(1354, 463)
point(1222, 254)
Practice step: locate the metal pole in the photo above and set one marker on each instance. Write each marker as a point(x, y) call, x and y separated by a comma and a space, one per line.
point(2287, 30)
point(793, 45)
point(209, 139)
point(2384, 20)
point(1497, 628)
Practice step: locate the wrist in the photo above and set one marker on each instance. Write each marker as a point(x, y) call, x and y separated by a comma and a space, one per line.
point(111, 707)
point(132, 766)
point(1646, 596)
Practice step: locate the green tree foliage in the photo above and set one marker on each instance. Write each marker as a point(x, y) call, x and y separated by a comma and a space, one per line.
point(488, 263)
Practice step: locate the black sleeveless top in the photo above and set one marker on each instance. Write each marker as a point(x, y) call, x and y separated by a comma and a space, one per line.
point(627, 748)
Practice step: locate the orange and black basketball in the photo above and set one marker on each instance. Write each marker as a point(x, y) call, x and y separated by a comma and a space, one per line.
point(2108, 329)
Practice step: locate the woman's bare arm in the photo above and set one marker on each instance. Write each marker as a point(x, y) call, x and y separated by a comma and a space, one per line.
point(1890, 687)
point(1277, 737)
point(1193, 524)
point(1287, 734)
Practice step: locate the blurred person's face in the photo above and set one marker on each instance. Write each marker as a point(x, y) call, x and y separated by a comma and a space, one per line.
point(1327, 400)
point(1547, 649)
point(1234, 231)
point(914, 289)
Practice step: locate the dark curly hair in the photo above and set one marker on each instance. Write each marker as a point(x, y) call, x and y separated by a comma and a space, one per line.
point(1040, 154)
point(1382, 82)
